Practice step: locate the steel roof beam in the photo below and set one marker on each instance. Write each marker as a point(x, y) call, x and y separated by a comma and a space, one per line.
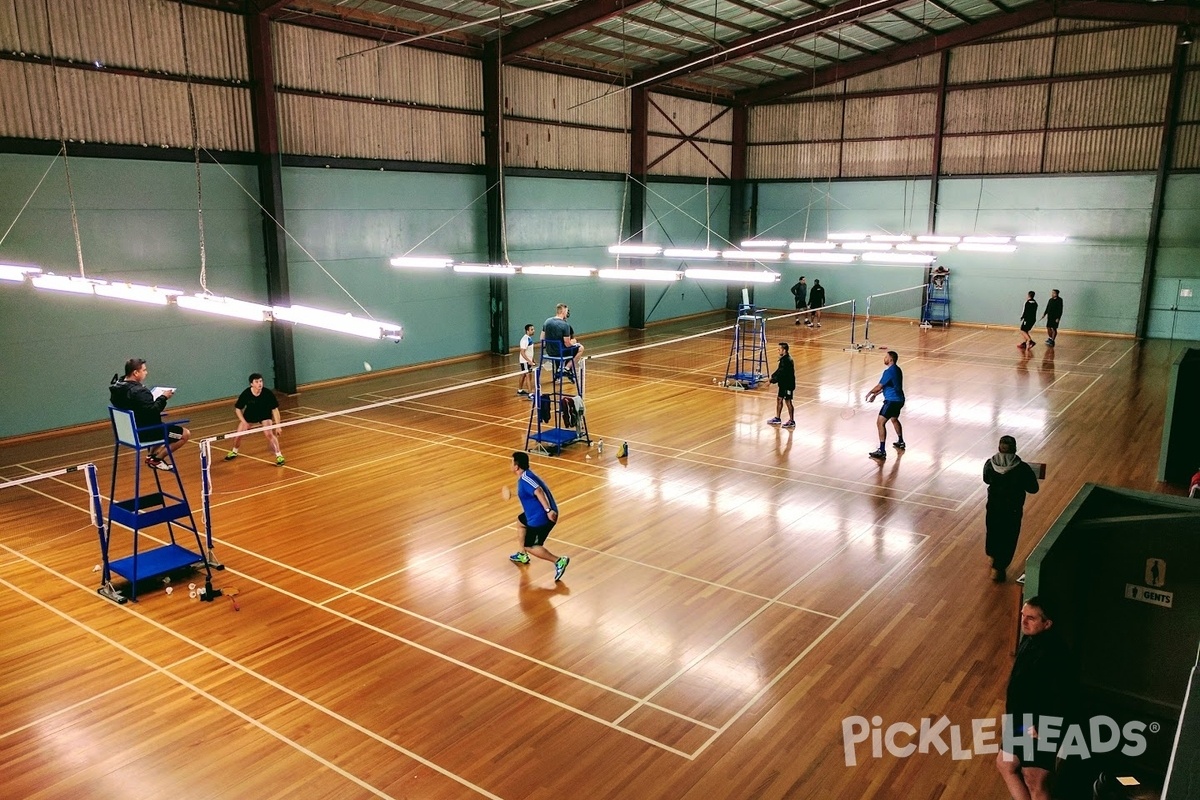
point(1156, 13)
point(837, 14)
point(575, 18)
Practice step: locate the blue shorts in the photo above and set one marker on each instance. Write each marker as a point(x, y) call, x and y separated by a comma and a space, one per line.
point(891, 409)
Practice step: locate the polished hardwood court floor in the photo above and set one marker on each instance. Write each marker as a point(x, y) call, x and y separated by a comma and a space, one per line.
point(735, 592)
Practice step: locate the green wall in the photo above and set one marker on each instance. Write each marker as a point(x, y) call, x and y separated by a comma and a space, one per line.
point(1099, 270)
point(137, 221)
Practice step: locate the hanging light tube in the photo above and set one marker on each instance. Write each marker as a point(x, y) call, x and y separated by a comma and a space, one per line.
point(16, 272)
point(732, 275)
point(342, 323)
point(580, 272)
point(877, 246)
point(824, 258)
point(137, 293)
point(913, 247)
point(897, 258)
point(486, 269)
point(742, 255)
point(987, 248)
point(684, 252)
point(635, 250)
point(224, 307)
point(64, 283)
point(664, 275)
point(987, 239)
point(422, 262)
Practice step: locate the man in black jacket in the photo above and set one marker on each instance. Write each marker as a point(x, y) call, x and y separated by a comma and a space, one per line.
point(131, 394)
point(784, 377)
point(1038, 702)
point(1008, 479)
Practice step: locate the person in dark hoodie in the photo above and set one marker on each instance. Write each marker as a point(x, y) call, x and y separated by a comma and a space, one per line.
point(130, 393)
point(1008, 479)
point(784, 377)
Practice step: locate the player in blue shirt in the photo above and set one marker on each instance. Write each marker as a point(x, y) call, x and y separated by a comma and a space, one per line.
point(538, 517)
point(891, 384)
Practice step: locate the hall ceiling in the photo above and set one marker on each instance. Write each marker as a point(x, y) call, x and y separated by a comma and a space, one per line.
point(742, 51)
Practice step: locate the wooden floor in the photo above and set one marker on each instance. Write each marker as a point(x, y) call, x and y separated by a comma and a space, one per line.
point(735, 590)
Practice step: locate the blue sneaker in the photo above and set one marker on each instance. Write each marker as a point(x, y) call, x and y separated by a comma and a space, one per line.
point(519, 558)
point(560, 567)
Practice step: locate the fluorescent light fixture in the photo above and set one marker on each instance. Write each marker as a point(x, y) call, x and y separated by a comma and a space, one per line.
point(684, 252)
point(15, 272)
point(581, 272)
point(422, 262)
point(1041, 239)
point(486, 269)
point(768, 243)
point(866, 246)
point(224, 307)
point(137, 293)
point(842, 237)
point(913, 247)
point(742, 255)
point(732, 275)
point(342, 323)
point(812, 245)
point(987, 239)
point(64, 283)
point(897, 258)
point(823, 258)
point(888, 237)
point(635, 250)
point(939, 239)
point(641, 274)
point(987, 248)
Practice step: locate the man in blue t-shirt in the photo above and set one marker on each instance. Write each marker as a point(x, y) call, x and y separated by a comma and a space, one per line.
point(891, 384)
point(538, 517)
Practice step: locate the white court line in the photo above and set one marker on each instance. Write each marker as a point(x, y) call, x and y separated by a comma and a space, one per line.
point(679, 673)
point(783, 673)
point(349, 591)
point(236, 712)
point(92, 698)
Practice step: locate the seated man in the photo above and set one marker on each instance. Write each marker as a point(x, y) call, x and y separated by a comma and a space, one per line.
point(557, 329)
point(131, 394)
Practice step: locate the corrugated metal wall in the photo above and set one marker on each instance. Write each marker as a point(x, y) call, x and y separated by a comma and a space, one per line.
point(312, 60)
point(100, 106)
point(1074, 125)
point(544, 145)
point(552, 108)
point(326, 126)
point(707, 130)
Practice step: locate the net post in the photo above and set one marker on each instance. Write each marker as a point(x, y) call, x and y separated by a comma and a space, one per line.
point(210, 557)
point(97, 513)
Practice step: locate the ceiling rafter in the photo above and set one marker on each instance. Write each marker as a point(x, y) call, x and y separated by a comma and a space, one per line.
point(838, 14)
point(555, 26)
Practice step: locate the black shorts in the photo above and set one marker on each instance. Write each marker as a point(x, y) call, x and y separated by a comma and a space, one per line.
point(535, 536)
point(1052, 323)
point(1026, 326)
point(786, 394)
point(891, 409)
